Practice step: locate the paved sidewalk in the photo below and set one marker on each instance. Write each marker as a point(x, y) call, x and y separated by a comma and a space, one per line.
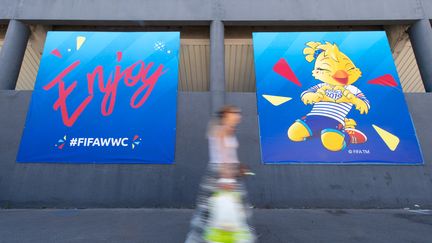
point(171, 225)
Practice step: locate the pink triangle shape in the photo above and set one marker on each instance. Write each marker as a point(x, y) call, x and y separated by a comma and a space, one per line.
point(282, 68)
point(56, 53)
point(385, 80)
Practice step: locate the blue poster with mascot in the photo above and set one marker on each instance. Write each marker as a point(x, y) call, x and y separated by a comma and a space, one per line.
point(104, 97)
point(331, 97)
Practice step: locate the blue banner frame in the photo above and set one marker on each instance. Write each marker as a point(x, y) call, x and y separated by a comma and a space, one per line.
point(331, 98)
point(104, 97)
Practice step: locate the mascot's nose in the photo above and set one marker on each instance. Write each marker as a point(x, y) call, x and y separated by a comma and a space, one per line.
point(341, 76)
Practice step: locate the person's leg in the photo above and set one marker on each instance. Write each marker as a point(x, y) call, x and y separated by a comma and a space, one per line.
point(200, 217)
point(250, 231)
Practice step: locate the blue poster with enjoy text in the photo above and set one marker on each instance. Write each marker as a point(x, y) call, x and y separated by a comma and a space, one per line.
point(331, 97)
point(104, 97)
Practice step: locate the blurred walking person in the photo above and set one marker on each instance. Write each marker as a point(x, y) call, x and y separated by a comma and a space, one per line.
point(222, 213)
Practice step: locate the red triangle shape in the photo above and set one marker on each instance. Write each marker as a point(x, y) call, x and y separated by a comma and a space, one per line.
point(56, 53)
point(282, 68)
point(385, 80)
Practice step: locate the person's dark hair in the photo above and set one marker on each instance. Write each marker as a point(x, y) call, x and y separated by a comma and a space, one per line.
point(227, 109)
point(220, 115)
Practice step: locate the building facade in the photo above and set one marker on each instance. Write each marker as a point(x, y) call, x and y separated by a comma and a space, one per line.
point(216, 68)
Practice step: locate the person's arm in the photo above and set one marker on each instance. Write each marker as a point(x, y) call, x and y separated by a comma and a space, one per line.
point(224, 168)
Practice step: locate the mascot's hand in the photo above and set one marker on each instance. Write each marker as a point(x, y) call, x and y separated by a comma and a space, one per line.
point(312, 98)
point(349, 95)
point(346, 93)
point(323, 89)
point(361, 106)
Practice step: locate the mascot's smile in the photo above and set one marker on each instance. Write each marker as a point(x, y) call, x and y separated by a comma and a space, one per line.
point(341, 76)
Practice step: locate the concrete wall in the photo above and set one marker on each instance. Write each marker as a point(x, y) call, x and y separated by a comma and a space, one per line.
point(280, 186)
point(427, 7)
point(371, 11)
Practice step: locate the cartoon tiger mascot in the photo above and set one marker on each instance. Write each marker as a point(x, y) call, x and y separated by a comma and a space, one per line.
point(331, 100)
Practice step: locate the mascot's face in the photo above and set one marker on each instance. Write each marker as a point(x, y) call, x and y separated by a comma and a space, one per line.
point(333, 67)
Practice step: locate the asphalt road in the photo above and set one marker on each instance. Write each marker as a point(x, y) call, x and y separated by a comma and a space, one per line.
point(171, 225)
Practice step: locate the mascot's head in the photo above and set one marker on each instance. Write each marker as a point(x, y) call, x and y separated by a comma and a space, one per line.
point(331, 66)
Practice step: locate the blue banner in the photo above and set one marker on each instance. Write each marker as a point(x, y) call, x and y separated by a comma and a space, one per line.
point(104, 97)
point(331, 97)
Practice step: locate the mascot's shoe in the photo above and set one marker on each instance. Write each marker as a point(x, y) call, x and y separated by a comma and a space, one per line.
point(299, 131)
point(356, 136)
point(333, 140)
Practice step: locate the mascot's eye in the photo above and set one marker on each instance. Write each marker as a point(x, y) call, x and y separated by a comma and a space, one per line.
point(322, 69)
point(353, 68)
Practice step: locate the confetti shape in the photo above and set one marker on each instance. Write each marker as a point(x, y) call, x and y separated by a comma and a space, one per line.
point(80, 41)
point(56, 53)
point(385, 80)
point(276, 100)
point(282, 68)
point(389, 139)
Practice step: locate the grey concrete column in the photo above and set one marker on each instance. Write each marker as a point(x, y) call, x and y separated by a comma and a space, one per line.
point(421, 39)
point(217, 64)
point(12, 53)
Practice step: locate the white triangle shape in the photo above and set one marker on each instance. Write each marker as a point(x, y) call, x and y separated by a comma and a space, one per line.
point(80, 41)
point(276, 100)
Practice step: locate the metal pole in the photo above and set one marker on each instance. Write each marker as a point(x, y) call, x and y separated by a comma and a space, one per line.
point(421, 39)
point(12, 53)
point(217, 65)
